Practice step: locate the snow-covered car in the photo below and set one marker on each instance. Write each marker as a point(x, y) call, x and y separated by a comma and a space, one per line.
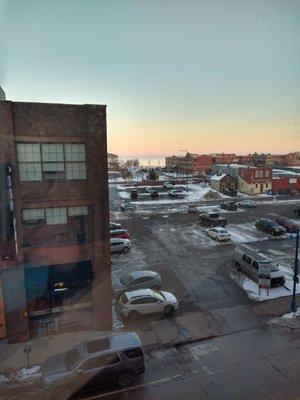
point(118, 245)
point(218, 233)
point(167, 185)
point(146, 301)
point(113, 226)
point(192, 208)
point(247, 204)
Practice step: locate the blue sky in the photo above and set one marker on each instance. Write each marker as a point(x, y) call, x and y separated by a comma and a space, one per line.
point(204, 75)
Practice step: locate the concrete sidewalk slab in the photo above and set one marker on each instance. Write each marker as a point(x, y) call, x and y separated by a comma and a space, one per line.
point(166, 332)
point(198, 324)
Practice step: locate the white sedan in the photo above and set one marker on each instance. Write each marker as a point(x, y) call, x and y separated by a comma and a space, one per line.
point(219, 233)
point(146, 301)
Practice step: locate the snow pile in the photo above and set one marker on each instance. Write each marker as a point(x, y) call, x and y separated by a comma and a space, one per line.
point(251, 287)
point(292, 315)
point(3, 380)
point(212, 195)
point(28, 373)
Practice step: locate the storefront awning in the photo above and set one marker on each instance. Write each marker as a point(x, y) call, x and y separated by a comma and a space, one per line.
point(48, 275)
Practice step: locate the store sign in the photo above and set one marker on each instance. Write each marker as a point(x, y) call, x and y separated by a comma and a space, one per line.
point(9, 187)
point(60, 287)
point(264, 276)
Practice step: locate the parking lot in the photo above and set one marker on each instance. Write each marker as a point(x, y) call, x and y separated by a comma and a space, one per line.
point(193, 266)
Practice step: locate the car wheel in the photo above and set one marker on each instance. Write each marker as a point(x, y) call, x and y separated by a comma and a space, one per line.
point(238, 267)
point(125, 379)
point(168, 310)
point(126, 249)
point(133, 315)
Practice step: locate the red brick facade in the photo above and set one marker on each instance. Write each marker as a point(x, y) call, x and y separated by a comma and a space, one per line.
point(56, 244)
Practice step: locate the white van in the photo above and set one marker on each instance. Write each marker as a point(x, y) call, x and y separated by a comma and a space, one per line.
point(248, 260)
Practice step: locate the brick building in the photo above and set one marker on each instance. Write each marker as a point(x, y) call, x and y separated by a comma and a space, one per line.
point(54, 238)
point(254, 180)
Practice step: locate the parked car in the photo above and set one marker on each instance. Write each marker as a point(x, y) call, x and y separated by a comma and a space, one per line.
point(141, 279)
point(114, 225)
point(146, 301)
point(228, 205)
point(167, 185)
point(248, 260)
point(247, 204)
point(134, 194)
point(192, 208)
point(154, 193)
point(269, 226)
point(116, 359)
point(119, 233)
point(176, 193)
point(118, 245)
point(289, 225)
point(229, 192)
point(212, 219)
point(297, 211)
point(127, 207)
point(220, 234)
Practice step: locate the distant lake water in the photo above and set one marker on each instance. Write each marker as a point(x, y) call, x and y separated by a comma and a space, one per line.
point(147, 161)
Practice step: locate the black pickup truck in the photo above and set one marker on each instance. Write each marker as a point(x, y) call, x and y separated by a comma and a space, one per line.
point(212, 219)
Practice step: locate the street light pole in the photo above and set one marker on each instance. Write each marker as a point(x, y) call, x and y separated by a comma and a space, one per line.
point(295, 278)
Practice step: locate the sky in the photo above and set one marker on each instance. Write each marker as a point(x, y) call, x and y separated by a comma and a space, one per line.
point(203, 75)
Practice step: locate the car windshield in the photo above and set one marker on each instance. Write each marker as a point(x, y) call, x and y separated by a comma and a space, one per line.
point(159, 295)
point(71, 359)
point(126, 279)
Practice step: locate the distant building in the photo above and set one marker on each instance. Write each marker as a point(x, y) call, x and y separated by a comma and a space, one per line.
point(222, 182)
point(285, 182)
point(2, 94)
point(112, 162)
point(254, 180)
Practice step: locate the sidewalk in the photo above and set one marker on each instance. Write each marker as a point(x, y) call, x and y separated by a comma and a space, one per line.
point(188, 327)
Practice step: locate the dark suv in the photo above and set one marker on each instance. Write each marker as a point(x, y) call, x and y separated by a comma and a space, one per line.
point(113, 359)
point(269, 226)
point(228, 205)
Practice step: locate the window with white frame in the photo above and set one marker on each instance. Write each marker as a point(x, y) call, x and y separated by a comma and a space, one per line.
point(267, 173)
point(29, 159)
point(33, 214)
point(53, 160)
point(256, 174)
point(261, 173)
point(56, 215)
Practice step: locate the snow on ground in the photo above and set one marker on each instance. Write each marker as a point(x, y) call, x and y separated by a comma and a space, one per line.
point(292, 315)
point(28, 373)
point(124, 195)
point(251, 287)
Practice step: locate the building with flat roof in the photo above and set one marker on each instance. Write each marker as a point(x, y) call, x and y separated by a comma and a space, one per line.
point(54, 218)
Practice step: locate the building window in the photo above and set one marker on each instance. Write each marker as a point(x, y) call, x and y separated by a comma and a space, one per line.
point(77, 210)
point(267, 173)
point(56, 215)
point(256, 186)
point(256, 174)
point(29, 159)
point(261, 174)
point(33, 214)
point(267, 185)
point(51, 161)
point(75, 161)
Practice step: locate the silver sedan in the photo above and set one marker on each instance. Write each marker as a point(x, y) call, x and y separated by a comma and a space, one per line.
point(136, 280)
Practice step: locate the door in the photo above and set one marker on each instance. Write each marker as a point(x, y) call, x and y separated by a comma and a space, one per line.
point(154, 305)
point(261, 188)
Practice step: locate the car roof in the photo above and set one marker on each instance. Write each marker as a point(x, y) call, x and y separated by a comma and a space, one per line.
point(112, 342)
point(139, 293)
point(121, 230)
point(142, 273)
point(113, 240)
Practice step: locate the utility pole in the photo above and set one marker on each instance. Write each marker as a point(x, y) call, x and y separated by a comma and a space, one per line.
point(186, 167)
point(295, 278)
